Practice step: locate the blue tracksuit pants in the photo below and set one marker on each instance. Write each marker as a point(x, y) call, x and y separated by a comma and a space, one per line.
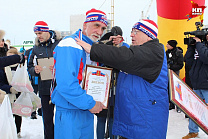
point(73, 124)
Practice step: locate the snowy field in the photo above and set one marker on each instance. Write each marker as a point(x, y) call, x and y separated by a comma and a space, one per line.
point(177, 127)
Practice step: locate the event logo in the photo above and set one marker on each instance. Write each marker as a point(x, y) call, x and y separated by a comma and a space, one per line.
point(98, 73)
point(196, 11)
point(178, 90)
point(146, 31)
point(92, 18)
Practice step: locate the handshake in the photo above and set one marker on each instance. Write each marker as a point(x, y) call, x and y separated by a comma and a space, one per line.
point(3, 93)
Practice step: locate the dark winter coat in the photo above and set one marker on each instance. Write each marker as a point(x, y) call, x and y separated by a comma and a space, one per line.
point(4, 85)
point(33, 79)
point(43, 50)
point(9, 60)
point(3, 51)
point(197, 57)
point(3, 80)
point(175, 59)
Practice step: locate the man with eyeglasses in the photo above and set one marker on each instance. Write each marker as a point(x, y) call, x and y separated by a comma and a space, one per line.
point(141, 107)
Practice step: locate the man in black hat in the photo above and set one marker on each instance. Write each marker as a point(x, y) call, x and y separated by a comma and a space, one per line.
point(175, 61)
point(174, 56)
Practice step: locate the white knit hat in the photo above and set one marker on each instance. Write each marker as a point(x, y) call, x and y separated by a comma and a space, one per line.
point(147, 26)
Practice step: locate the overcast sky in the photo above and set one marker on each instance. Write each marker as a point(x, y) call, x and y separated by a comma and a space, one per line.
point(17, 17)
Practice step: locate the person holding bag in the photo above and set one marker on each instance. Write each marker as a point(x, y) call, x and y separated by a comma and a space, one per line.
point(3, 82)
point(9, 72)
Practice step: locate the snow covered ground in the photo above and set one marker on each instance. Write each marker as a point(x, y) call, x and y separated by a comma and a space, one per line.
point(177, 127)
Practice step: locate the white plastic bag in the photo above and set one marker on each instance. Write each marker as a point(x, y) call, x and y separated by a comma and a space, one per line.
point(23, 105)
point(21, 81)
point(26, 103)
point(7, 125)
point(36, 102)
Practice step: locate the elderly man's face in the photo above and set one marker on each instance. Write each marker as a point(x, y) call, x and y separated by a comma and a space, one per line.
point(138, 37)
point(94, 30)
point(42, 36)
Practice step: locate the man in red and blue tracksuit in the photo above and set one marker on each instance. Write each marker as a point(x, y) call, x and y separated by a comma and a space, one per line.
point(74, 108)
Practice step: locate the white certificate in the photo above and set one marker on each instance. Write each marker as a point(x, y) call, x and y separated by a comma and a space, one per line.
point(97, 83)
point(189, 102)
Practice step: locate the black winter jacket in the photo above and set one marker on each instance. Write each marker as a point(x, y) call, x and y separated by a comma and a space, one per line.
point(43, 50)
point(197, 58)
point(9, 60)
point(175, 59)
point(3, 51)
point(146, 59)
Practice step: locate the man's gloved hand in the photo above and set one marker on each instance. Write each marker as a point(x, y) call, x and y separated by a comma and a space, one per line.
point(2, 94)
point(105, 39)
point(13, 91)
point(106, 42)
point(22, 59)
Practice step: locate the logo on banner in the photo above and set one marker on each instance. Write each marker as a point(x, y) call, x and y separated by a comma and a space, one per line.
point(196, 11)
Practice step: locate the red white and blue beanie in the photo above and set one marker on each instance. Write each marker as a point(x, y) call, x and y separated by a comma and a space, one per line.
point(96, 15)
point(41, 26)
point(147, 26)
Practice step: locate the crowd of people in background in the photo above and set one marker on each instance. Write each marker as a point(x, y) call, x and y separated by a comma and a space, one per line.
point(139, 101)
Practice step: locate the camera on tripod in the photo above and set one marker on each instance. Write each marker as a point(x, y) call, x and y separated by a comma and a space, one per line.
point(199, 33)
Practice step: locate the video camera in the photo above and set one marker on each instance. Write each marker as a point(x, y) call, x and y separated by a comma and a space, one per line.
point(199, 33)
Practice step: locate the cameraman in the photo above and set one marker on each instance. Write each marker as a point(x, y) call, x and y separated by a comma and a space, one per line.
point(197, 57)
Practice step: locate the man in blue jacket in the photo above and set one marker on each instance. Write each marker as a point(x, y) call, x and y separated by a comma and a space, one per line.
point(74, 108)
point(141, 106)
point(197, 58)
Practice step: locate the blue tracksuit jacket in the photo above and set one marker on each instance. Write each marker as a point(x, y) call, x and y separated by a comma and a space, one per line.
point(73, 119)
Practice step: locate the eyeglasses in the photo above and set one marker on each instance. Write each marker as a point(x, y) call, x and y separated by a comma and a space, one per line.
point(134, 31)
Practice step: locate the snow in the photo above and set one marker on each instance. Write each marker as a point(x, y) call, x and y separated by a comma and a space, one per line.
point(177, 127)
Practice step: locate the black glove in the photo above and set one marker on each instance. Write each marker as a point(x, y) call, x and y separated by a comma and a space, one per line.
point(22, 59)
point(106, 36)
point(105, 39)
